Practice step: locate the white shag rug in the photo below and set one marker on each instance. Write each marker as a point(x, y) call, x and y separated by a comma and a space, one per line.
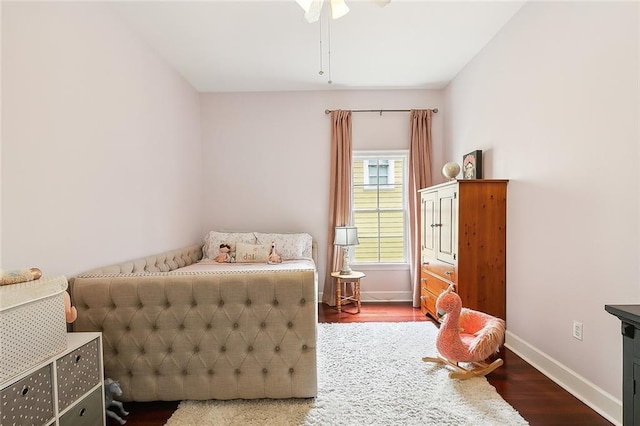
point(368, 374)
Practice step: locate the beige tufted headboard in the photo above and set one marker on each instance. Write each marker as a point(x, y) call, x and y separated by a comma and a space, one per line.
point(163, 262)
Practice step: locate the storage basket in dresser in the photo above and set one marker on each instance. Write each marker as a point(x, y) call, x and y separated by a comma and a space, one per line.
point(65, 389)
point(32, 324)
point(28, 401)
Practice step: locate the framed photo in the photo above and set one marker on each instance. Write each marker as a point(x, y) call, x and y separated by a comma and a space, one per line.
point(472, 165)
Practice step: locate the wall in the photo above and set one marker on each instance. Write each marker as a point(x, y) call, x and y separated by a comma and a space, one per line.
point(102, 161)
point(101, 153)
point(267, 162)
point(1, 97)
point(553, 101)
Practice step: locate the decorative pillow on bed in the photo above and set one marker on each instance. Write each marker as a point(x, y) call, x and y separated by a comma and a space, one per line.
point(252, 253)
point(289, 246)
point(214, 238)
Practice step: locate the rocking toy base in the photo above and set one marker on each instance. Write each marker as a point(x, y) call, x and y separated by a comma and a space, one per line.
point(481, 368)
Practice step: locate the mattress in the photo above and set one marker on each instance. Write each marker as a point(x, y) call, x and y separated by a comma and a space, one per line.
point(212, 267)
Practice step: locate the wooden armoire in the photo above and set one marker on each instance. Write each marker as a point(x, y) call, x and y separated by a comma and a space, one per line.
point(463, 233)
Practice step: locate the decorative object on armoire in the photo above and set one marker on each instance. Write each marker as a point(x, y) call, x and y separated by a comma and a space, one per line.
point(451, 170)
point(463, 242)
point(472, 165)
point(19, 276)
point(32, 323)
point(468, 336)
point(345, 236)
point(111, 389)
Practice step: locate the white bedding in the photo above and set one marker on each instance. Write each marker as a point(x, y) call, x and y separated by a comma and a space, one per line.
point(213, 267)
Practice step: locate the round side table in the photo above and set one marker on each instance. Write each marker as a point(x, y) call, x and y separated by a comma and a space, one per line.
point(353, 277)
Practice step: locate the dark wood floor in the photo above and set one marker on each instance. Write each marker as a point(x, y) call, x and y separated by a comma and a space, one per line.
point(539, 400)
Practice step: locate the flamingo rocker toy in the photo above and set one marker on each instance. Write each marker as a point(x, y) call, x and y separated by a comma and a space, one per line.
point(467, 336)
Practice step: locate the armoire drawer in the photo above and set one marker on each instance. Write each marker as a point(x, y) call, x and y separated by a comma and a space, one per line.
point(435, 285)
point(428, 302)
point(441, 269)
point(77, 372)
point(29, 400)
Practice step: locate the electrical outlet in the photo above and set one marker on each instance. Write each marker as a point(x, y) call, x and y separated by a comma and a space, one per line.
point(577, 330)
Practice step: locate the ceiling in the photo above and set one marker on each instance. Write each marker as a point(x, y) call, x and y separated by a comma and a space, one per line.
point(240, 46)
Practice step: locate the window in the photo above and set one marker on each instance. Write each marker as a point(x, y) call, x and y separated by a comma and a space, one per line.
point(380, 206)
point(378, 172)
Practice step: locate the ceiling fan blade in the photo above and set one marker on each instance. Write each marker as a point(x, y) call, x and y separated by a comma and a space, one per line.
point(338, 9)
point(304, 4)
point(382, 3)
point(315, 9)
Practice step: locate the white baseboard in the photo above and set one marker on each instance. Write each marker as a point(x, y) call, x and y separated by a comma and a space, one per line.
point(383, 296)
point(600, 401)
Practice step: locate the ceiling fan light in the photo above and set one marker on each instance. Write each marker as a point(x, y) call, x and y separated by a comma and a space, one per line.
point(338, 9)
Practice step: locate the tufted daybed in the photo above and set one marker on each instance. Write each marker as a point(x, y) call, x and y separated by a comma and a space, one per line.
point(173, 333)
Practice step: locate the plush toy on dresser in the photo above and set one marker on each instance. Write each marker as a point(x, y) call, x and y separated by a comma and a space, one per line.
point(70, 312)
point(19, 276)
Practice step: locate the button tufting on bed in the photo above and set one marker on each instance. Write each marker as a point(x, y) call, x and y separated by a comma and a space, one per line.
point(200, 336)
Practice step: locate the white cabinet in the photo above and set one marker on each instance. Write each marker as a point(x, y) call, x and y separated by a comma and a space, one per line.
point(66, 389)
point(439, 224)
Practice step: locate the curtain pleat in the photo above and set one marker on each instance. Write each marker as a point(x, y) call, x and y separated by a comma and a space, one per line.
point(339, 194)
point(419, 177)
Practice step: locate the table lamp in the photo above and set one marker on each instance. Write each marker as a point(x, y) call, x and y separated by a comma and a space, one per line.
point(345, 236)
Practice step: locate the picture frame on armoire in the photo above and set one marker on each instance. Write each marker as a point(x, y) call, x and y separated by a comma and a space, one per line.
point(472, 165)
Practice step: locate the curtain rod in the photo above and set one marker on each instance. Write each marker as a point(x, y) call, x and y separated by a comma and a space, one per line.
point(329, 111)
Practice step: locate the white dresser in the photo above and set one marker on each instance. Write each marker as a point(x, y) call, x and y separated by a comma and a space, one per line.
point(66, 389)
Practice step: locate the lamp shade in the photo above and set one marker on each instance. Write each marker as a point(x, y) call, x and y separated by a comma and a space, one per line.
point(346, 236)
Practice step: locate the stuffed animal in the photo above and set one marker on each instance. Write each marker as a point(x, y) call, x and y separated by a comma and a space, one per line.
point(274, 257)
point(70, 312)
point(482, 336)
point(223, 255)
point(111, 389)
point(19, 276)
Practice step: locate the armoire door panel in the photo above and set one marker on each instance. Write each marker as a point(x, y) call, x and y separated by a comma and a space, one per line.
point(428, 225)
point(446, 225)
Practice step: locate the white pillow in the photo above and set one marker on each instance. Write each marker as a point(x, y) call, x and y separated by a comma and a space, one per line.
point(213, 240)
point(252, 253)
point(288, 246)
